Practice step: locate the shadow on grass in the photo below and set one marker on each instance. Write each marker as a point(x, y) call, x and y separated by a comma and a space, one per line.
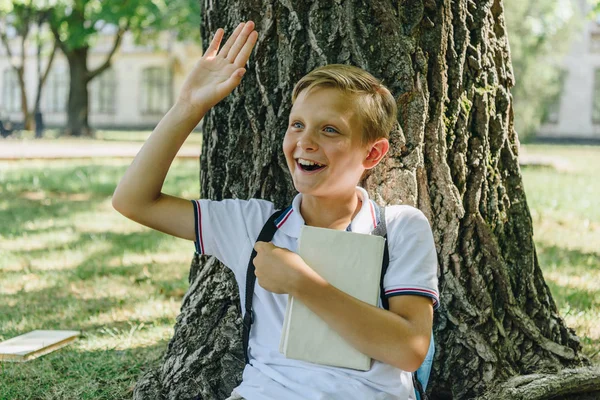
point(72, 373)
point(120, 244)
point(51, 308)
point(580, 269)
point(567, 260)
point(572, 263)
point(23, 212)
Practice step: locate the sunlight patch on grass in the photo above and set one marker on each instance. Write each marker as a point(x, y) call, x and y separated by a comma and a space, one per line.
point(43, 240)
point(129, 336)
point(41, 196)
point(25, 283)
point(145, 311)
point(589, 281)
point(152, 258)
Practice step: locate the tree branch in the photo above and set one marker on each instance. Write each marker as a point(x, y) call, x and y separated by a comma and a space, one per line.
point(50, 60)
point(7, 47)
point(42, 80)
point(61, 45)
point(106, 64)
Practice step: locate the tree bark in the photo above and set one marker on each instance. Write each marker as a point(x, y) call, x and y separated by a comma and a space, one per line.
point(454, 156)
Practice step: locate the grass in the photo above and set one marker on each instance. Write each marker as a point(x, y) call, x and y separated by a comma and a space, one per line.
point(69, 261)
point(566, 216)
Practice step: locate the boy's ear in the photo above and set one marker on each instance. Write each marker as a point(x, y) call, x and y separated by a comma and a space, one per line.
point(377, 151)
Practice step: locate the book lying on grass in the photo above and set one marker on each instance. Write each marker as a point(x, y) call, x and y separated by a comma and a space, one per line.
point(35, 344)
point(352, 263)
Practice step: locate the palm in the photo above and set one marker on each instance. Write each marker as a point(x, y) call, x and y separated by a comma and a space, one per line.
point(218, 72)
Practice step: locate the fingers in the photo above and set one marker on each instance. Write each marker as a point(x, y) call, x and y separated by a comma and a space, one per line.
point(225, 50)
point(258, 246)
point(240, 41)
point(244, 54)
point(212, 50)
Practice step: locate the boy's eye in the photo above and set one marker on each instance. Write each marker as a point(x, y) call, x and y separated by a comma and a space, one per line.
point(297, 124)
point(329, 129)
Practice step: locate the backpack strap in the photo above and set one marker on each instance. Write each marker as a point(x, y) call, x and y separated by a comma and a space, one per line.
point(381, 230)
point(266, 235)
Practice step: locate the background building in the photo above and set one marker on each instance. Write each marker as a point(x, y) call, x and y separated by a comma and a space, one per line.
point(576, 115)
point(134, 93)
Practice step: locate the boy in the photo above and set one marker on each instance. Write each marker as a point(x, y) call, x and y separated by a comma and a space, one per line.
point(338, 128)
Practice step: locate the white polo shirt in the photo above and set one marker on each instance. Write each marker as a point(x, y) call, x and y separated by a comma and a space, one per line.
point(228, 230)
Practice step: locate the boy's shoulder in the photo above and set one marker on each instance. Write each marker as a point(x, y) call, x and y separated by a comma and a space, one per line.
point(405, 218)
point(403, 212)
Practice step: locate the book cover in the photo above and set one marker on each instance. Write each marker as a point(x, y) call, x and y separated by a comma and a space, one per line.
point(352, 263)
point(35, 344)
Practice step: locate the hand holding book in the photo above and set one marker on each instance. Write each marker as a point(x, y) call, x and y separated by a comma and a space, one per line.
point(279, 270)
point(349, 261)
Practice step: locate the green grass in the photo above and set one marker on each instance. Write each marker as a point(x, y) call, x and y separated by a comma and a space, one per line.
point(565, 209)
point(69, 261)
point(104, 136)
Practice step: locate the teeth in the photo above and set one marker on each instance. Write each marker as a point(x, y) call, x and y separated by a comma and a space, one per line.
point(306, 162)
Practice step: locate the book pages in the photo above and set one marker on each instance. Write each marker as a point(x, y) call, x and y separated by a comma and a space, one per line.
point(34, 344)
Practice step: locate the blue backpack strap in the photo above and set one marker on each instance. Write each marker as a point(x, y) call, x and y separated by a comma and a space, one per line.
point(420, 376)
point(266, 235)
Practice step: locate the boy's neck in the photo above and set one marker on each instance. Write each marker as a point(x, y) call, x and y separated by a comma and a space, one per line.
point(331, 212)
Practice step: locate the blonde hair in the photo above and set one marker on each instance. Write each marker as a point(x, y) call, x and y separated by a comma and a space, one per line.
point(376, 105)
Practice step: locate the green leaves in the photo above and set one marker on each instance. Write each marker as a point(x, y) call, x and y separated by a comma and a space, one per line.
point(78, 21)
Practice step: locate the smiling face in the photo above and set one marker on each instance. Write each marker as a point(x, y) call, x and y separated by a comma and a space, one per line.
point(323, 143)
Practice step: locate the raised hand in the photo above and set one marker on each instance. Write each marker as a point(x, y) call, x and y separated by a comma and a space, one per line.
point(218, 72)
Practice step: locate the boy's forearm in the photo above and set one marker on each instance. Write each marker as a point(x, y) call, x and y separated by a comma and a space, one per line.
point(376, 332)
point(143, 180)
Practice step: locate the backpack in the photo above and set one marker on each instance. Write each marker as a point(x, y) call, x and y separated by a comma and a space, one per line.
point(420, 377)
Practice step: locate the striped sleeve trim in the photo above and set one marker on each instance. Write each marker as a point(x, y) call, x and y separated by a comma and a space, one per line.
point(198, 225)
point(284, 217)
point(415, 291)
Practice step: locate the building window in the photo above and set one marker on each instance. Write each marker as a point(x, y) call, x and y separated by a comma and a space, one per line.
point(595, 42)
point(11, 93)
point(103, 93)
point(552, 110)
point(156, 90)
point(596, 100)
point(55, 92)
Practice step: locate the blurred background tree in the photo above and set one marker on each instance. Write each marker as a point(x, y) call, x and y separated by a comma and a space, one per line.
point(23, 20)
point(76, 25)
point(540, 32)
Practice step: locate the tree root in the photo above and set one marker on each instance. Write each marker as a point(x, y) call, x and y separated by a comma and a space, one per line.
point(572, 384)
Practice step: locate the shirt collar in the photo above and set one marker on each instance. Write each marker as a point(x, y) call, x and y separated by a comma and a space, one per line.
point(291, 221)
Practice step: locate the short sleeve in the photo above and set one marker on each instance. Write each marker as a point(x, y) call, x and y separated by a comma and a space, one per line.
point(227, 228)
point(413, 264)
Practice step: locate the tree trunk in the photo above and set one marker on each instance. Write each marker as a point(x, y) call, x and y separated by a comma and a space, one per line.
point(77, 105)
point(455, 157)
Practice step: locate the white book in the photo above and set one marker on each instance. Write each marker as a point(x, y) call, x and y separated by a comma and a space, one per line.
point(34, 344)
point(352, 263)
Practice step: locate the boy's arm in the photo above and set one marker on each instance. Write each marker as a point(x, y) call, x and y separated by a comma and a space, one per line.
point(138, 195)
point(398, 337)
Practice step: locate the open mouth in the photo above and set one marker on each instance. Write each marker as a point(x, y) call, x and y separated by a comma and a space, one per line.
point(309, 166)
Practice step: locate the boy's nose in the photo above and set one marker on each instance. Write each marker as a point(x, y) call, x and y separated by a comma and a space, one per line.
point(307, 142)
